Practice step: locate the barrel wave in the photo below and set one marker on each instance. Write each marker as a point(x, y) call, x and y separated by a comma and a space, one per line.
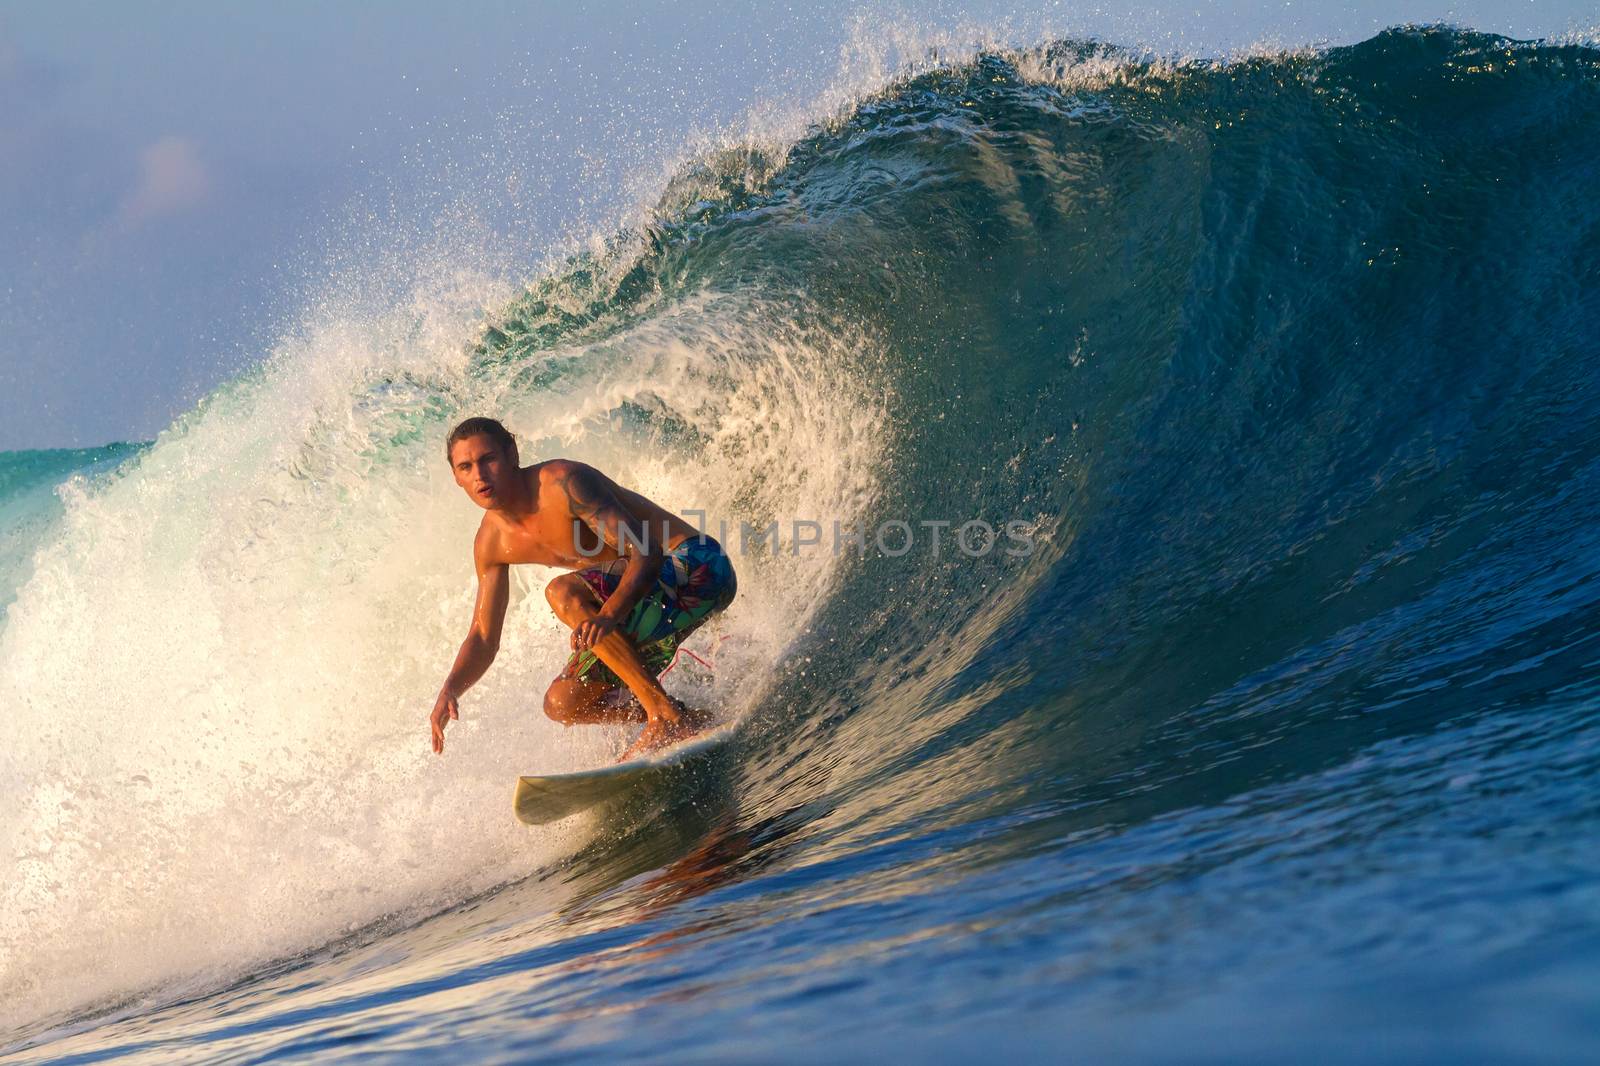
point(1272, 721)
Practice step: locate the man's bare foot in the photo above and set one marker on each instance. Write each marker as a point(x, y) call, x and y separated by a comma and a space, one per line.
point(660, 732)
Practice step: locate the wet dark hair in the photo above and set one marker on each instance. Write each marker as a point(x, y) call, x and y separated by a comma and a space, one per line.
point(486, 427)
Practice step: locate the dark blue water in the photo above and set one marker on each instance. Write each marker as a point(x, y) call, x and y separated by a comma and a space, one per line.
point(1283, 742)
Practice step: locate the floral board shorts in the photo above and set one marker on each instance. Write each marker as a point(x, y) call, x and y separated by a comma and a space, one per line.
point(696, 581)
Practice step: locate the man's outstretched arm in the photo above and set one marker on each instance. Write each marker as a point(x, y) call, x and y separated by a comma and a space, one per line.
point(478, 650)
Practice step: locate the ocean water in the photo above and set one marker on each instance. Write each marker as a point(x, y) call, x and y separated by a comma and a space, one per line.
point(1279, 741)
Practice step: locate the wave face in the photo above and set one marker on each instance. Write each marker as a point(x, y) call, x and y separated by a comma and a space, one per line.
point(1287, 369)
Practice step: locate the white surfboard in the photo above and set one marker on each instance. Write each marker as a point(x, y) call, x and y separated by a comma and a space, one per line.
point(555, 796)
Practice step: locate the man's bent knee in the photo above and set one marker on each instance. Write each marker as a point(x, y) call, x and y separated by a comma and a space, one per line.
point(564, 589)
point(568, 595)
point(560, 700)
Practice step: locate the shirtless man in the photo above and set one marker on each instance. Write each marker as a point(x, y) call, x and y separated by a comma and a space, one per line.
point(645, 579)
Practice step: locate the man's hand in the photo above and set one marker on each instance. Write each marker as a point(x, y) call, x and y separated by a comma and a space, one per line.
point(444, 709)
point(588, 634)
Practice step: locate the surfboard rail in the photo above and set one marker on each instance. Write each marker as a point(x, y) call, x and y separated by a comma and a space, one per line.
point(542, 799)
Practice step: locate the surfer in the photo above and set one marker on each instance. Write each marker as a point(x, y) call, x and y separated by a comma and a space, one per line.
point(643, 580)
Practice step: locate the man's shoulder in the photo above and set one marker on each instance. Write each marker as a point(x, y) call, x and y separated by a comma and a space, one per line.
point(570, 480)
point(486, 543)
point(553, 471)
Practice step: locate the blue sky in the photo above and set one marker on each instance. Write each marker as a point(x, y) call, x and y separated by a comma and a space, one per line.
point(173, 176)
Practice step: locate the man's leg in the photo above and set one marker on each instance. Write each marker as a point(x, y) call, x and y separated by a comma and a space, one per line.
point(574, 602)
point(573, 701)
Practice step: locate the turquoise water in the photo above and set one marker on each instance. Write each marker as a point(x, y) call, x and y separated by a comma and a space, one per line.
point(29, 503)
point(1283, 739)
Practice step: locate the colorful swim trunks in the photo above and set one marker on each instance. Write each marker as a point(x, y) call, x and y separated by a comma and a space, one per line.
point(696, 581)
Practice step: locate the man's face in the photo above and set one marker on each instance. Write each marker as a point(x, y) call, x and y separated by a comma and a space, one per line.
point(482, 469)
